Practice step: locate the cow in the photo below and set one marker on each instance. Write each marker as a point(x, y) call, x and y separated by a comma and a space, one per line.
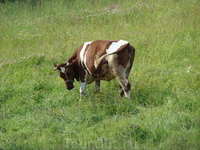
point(99, 60)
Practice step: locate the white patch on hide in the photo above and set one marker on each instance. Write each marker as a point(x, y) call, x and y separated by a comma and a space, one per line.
point(82, 53)
point(115, 46)
point(62, 69)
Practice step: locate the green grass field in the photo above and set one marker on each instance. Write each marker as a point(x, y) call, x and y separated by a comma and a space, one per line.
point(36, 110)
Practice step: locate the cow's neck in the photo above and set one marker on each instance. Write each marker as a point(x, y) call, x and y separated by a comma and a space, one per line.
point(76, 70)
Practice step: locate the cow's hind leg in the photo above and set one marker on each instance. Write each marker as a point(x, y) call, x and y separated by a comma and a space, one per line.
point(125, 87)
point(97, 86)
point(121, 92)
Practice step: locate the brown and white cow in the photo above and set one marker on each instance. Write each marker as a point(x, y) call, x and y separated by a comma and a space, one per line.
point(99, 60)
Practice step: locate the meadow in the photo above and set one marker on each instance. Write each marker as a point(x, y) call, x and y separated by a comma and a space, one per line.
point(36, 110)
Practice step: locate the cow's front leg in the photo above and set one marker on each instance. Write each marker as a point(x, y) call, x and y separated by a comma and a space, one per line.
point(97, 86)
point(82, 88)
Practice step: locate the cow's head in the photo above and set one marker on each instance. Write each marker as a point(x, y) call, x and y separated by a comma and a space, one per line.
point(66, 73)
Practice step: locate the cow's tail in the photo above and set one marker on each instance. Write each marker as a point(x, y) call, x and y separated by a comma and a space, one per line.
point(97, 60)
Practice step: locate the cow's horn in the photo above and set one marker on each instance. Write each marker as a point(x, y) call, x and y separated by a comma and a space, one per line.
point(55, 66)
point(68, 64)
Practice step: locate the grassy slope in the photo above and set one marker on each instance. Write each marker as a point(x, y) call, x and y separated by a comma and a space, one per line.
point(37, 112)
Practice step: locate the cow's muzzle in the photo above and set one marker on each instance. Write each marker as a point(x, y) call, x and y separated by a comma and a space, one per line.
point(69, 84)
point(70, 88)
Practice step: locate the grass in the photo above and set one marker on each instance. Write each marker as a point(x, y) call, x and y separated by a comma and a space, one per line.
point(36, 111)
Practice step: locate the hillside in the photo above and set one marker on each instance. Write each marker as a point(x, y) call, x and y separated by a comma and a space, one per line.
point(36, 110)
